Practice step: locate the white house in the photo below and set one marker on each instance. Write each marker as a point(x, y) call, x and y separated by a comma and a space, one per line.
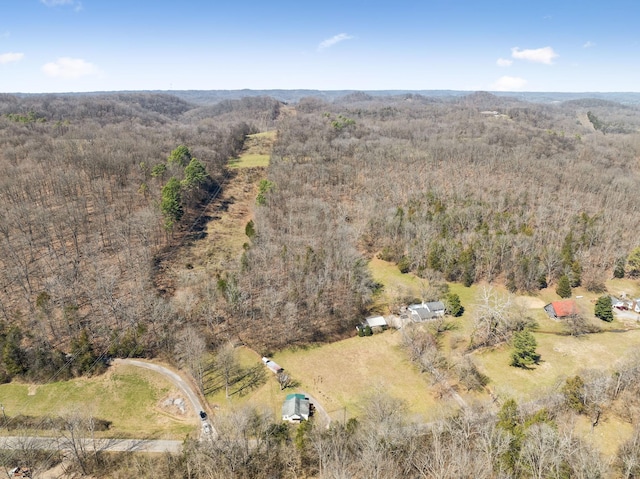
point(296, 408)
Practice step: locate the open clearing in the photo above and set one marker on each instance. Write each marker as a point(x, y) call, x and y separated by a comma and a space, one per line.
point(256, 152)
point(131, 398)
point(340, 375)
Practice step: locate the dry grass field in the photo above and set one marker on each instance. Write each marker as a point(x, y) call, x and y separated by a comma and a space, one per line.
point(257, 151)
point(340, 375)
point(133, 399)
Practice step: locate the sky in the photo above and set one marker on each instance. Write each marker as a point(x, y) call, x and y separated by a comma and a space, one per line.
point(50, 46)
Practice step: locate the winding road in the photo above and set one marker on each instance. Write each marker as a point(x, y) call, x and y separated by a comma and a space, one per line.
point(174, 377)
point(178, 381)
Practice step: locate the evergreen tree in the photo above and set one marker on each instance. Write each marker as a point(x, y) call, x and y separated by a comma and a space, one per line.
point(618, 270)
point(13, 356)
point(573, 392)
point(84, 358)
point(180, 156)
point(603, 309)
point(264, 187)
point(171, 203)
point(564, 287)
point(509, 420)
point(576, 274)
point(250, 229)
point(524, 354)
point(633, 261)
point(195, 174)
point(453, 305)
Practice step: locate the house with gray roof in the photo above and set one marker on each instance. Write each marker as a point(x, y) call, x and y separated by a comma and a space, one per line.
point(296, 408)
point(426, 311)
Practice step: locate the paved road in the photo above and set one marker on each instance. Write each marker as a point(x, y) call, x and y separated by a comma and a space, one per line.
point(138, 445)
point(61, 444)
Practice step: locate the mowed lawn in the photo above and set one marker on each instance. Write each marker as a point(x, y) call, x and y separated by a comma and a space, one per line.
point(342, 374)
point(127, 396)
point(561, 357)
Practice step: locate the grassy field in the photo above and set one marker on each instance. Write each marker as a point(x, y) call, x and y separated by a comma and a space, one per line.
point(562, 356)
point(131, 398)
point(341, 374)
point(257, 151)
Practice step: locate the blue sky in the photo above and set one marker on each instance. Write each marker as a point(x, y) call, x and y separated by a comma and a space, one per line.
point(508, 45)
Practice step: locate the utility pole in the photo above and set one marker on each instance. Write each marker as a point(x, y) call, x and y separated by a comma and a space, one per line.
point(4, 416)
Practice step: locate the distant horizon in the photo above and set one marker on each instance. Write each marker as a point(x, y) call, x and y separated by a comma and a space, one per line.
point(82, 46)
point(328, 90)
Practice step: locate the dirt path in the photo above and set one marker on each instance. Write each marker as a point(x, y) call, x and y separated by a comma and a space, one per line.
point(321, 412)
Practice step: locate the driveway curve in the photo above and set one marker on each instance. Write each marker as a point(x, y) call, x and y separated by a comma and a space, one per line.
point(176, 379)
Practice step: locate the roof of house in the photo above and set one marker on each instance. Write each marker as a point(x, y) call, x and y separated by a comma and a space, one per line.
point(435, 305)
point(430, 306)
point(295, 405)
point(296, 395)
point(429, 310)
point(566, 307)
point(376, 321)
point(424, 313)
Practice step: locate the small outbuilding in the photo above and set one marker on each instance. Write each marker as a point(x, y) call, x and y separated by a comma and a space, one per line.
point(296, 408)
point(561, 309)
point(272, 366)
point(376, 321)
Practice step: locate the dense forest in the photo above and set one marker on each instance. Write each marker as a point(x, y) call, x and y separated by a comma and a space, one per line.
point(479, 188)
point(100, 193)
point(88, 220)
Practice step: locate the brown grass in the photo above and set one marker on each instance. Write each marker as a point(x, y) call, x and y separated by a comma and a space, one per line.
point(131, 398)
point(341, 374)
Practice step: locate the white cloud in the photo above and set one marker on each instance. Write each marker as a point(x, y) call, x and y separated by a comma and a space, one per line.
point(58, 3)
point(539, 55)
point(504, 62)
point(589, 44)
point(329, 42)
point(10, 57)
point(507, 83)
point(66, 67)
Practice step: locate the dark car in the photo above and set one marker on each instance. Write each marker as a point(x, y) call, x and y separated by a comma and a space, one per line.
point(203, 415)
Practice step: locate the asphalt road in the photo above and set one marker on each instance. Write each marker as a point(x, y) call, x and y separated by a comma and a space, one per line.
point(118, 445)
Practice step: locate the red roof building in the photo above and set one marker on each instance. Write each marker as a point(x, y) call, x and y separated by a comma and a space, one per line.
point(561, 309)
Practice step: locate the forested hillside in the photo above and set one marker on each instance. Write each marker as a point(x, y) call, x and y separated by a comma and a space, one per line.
point(89, 217)
point(479, 188)
point(473, 188)
point(102, 194)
